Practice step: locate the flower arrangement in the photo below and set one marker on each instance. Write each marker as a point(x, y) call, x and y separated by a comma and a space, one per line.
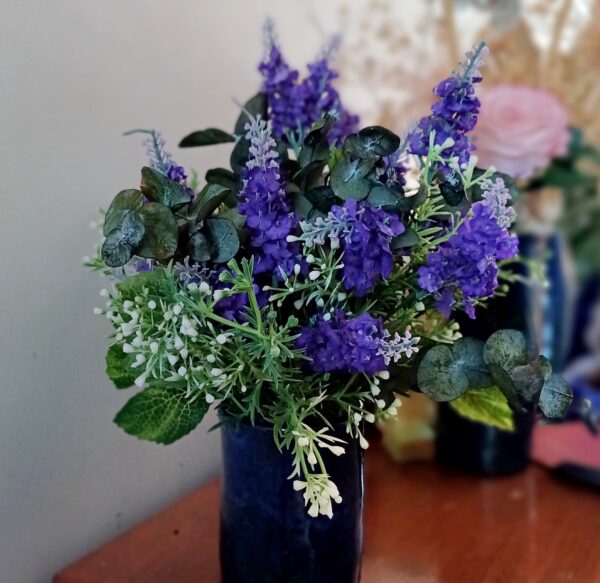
point(311, 283)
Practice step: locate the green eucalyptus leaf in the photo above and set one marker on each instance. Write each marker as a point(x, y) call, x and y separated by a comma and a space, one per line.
point(315, 147)
point(118, 367)
point(408, 239)
point(255, 106)
point(507, 349)
point(468, 357)
point(453, 194)
point(119, 245)
point(207, 200)
point(224, 239)
point(158, 188)
point(506, 385)
point(322, 198)
point(161, 234)
point(373, 141)
point(161, 414)
point(488, 406)
point(348, 178)
point(238, 221)
point(529, 378)
point(126, 200)
point(388, 199)
point(199, 248)
point(556, 397)
point(437, 376)
point(207, 137)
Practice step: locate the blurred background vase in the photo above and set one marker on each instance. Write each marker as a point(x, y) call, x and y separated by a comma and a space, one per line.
point(266, 533)
point(544, 314)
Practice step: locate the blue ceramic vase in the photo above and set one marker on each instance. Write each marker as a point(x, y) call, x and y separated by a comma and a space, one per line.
point(266, 533)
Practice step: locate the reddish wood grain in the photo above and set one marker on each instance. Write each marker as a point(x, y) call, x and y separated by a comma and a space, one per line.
point(422, 524)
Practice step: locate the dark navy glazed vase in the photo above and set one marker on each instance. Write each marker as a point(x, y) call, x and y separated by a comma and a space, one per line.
point(266, 533)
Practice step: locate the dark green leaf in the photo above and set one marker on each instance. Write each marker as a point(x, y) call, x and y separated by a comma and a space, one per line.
point(453, 194)
point(506, 385)
point(373, 141)
point(199, 248)
point(348, 178)
point(322, 198)
point(126, 200)
point(316, 146)
point(468, 357)
point(388, 199)
point(236, 218)
point(239, 156)
point(529, 378)
point(118, 367)
point(159, 414)
point(205, 203)
point(255, 106)
point(208, 137)
point(507, 349)
point(438, 378)
point(476, 193)
point(119, 245)
point(160, 237)
point(408, 239)
point(488, 406)
point(224, 239)
point(159, 188)
point(556, 397)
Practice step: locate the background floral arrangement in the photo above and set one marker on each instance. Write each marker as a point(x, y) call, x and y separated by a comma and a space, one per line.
point(309, 284)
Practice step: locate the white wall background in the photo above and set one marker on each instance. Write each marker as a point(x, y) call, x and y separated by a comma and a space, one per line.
point(74, 75)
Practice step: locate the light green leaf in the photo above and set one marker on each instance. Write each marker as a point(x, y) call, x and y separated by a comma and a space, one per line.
point(118, 367)
point(161, 414)
point(487, 406)
point(158, 282)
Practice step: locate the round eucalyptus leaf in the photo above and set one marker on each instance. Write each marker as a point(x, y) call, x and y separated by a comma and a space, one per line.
point(116, 251)
point(378, 141)
point(199, 247)
point(161, 234)
point(468, 357)
point(125, 201)
point(437, 376)
point(507, 349)
point(529, 378)
point(207, 200)
point(158, 188)
point(388, 199)
point(556, 397)
point(223, 238)
point(348, 178)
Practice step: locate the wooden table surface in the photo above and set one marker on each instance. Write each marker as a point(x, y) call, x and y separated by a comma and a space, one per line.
point(422, 524)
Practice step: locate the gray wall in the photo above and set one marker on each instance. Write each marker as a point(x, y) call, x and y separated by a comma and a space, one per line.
point(75, 74)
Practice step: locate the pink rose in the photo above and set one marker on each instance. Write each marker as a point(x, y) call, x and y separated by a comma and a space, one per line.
point(520, 130)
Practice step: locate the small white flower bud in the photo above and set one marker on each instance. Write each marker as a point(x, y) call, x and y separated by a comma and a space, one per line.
point(314, 275)
point(312, 458)
point(215, 372)
point(297, 269)
point(177, 309)
point(243, 388)
point(303, 441)
point(370, 418)
point(320, 302)
point(140, 358)
point(392, 411)
point(184, 353)
point(154, 347)
point(298, 485)
point(128, 304)
point(178, 343)
point(141, 380)
point(210, 358)
point(98, 311)
point(128, 349)
point(381, 404)
point(310, 259)
point(337, 450)
point(104, 293)
point(384, 374)
point(152, 305)
point(209, 398)
point(327, 317)
point(182, 371)
point(204, 288)
point(363, 442)
point(313, 511)
point(172, 358)
point(357, 418)
point(222, 338)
